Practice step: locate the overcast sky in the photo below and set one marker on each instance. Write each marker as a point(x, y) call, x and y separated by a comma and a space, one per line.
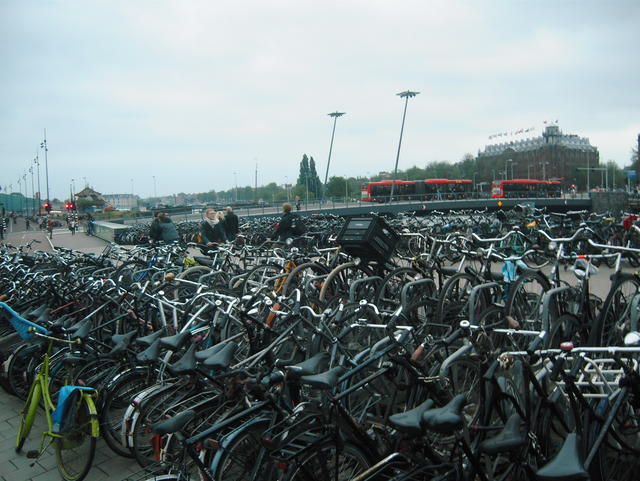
point(193, 91)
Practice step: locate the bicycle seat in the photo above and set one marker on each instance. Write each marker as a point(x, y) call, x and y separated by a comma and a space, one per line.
point(186, 363)
point(203, 261)
point(151, 338)
point(446, 419)
point(509, 439)
point(37, 312)
point(313, 365)
point(207, 353)
point(60, 322)
point(81, 330)
point(174, 424)
point(124, 338)
point(566, 465)
point(222, 358)
point(121, 342)
point(410, 422)
point(176, 341)
point(325, 380)
point(151, 353)
point(73, 360)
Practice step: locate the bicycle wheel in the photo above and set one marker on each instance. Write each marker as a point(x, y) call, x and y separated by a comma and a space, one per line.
point(242, 456)
point(117, 399)
point(76, 445)
point(524, 299)
point(258, 277)
point(452, 302)
point(20, 368)
point(613, 322)
point(28, 414)
point(336, 285)
point(330, 461)
point(388, 295)
point(297, 277)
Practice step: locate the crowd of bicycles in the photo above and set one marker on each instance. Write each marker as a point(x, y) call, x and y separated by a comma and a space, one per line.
point(477, 351)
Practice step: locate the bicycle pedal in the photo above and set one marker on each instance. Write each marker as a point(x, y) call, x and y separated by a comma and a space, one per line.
point(33, 454)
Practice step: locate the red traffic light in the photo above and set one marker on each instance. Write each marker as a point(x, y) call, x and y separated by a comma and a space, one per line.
point(47, 206)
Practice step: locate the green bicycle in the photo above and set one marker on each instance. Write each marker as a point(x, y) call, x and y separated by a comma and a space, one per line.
point(72, 426)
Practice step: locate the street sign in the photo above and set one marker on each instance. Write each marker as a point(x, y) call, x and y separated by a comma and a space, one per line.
point(631, 174)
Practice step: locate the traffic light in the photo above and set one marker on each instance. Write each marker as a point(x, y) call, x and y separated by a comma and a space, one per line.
point(67, 206)
point(72, 206)
point(47, 206)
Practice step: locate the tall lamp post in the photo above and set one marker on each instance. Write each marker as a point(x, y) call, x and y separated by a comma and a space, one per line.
point(406, 95)
point(335, 116)
point(235, 181)
point(37, 161)
point(33, 193)
point(43, 145)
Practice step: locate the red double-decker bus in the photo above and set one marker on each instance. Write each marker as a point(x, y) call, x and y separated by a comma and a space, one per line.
point(430, 189)
point(526, 188)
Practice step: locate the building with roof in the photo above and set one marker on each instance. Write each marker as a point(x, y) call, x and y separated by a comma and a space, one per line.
point(553, 155)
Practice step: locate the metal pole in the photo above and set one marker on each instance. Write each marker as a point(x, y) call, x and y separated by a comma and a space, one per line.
point(256, 189)
point(335, 116)
point(406, 95)
point(33, 193)
point(46, 163)
point(37, 160)
point(588, 169)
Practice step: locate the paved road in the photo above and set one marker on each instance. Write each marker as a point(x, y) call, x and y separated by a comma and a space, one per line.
point(107, 466)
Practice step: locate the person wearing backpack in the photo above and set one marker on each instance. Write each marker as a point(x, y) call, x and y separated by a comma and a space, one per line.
point(290, 224)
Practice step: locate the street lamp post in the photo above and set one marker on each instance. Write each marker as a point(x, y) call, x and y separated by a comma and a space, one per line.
point(235, 178)
point(43, 145)
point(335, 116)
point(155, 192)
point(37, 161)
point(406, 95)
point(33, 193)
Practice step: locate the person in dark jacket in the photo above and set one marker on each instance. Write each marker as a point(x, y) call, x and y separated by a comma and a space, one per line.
point(163, 229)
point(231, 224)
point(285, 226)
point(212, 229)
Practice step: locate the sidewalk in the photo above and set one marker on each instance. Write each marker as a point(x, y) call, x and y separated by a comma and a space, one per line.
point(107, 466)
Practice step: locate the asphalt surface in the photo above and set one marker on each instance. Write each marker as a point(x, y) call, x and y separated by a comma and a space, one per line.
point(107, 465)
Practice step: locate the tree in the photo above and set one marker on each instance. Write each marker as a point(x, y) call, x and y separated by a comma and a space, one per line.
point(314, 181)
point(303, 178)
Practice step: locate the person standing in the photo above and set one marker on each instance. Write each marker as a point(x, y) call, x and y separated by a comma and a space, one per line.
point(231, 224)
point(27, 223)
point(212, 229)
point(2, 227)
point(73, 225)
point(164, 229)
point(285, 226)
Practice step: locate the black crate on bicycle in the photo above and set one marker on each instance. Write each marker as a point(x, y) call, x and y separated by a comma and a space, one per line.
point(369, 238)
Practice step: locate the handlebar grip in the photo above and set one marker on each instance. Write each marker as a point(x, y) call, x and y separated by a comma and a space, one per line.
point(536, 343)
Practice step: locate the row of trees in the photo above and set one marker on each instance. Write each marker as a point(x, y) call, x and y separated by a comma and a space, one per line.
point(309, 185)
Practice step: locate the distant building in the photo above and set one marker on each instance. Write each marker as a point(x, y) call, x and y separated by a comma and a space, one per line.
point(553, 155)
point(122, 201)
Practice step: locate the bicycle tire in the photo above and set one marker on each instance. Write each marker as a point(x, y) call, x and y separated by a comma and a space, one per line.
point(388, 294)
point(452, 302)
point(322, 464)
point(336, 284)
point(77, 445)
point(297, 275)
point(117, 399)
point(28, 414)
point(609, 328)
point(242, 454)
point(524, 298)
